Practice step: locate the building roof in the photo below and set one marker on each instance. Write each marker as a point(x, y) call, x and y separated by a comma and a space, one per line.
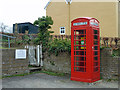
point(47, 4)
point(88, 18)
point(84, 1)
point(56, 1)
point(24, 23)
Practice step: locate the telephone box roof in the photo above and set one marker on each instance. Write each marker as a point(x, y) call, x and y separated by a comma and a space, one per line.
point(88, 18)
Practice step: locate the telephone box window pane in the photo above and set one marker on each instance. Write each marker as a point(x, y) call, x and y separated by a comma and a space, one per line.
point(95, 42)
point(95, 47)
point(74, 47)
point(77, 32)
point(95, 69)
point(80, 69)
point(83, 47)
point(79, 63)
point(95, 63)
point(74, 52)
point(80, 32)
point(74, 69)
point(95, 37)
point(77, 37)
point(77, 42)
point(77, 68)
point(80, 37)
point(96, 53)
point(82, 53)
point(74, 32)
point(95, 31)
point(74, 38)
point(79, 58)
point(77, 53)
point(95, 58)
point(74, 57)
point(78, 47)
point(74, 42)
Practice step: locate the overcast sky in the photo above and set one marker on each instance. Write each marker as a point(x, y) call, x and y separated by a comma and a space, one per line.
point(18, 11)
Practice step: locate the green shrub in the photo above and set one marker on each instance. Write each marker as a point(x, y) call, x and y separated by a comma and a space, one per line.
point(57, 45)
point(116, 52)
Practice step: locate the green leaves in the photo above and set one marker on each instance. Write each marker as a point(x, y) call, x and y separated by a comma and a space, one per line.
point(43, 35)
point(57, 45)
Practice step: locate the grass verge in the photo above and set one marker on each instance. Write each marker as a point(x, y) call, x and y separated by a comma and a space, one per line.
point(43, 71)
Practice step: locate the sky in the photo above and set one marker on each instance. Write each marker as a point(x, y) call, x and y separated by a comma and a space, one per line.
point(19, 11)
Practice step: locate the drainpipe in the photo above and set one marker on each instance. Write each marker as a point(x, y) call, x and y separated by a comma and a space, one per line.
point(69, 22)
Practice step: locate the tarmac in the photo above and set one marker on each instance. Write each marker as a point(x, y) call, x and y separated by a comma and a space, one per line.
point(42, 80)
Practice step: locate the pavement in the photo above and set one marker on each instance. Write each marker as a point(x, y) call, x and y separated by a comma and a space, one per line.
point(42, 80)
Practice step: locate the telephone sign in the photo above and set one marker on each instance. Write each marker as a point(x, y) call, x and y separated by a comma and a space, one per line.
point(85, 50)
point(80, 23)
point(93, 22)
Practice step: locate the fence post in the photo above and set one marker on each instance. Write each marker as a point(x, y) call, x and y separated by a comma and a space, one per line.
point(41, 55)
point(38, 53)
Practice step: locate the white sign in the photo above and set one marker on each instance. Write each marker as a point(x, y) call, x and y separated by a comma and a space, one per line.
point(20, 54)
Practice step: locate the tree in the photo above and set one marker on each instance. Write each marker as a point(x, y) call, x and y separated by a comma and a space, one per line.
point(3, 27)
point(43, 35)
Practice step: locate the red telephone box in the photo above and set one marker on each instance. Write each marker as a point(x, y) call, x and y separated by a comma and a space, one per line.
point(85, 50)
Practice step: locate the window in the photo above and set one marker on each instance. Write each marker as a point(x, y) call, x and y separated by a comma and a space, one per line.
point(62, 30)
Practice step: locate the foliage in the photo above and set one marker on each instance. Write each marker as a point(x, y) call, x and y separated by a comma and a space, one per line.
point(52, 73)
point(58, 45)
point(43, 35)
point(116, 52)
point(26, 39)
point(19, 42)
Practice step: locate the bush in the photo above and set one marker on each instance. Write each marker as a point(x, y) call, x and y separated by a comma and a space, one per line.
point(116, 52)
point(57, 45)
point(43, 36)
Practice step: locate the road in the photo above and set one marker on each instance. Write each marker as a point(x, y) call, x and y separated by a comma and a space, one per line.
point(41, 80)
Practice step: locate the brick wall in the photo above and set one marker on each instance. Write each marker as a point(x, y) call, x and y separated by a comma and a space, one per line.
point(109, 64)
point(62, 63)
point(12, 66)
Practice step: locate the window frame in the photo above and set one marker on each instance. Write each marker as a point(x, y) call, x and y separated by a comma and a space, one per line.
point(61, 29)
